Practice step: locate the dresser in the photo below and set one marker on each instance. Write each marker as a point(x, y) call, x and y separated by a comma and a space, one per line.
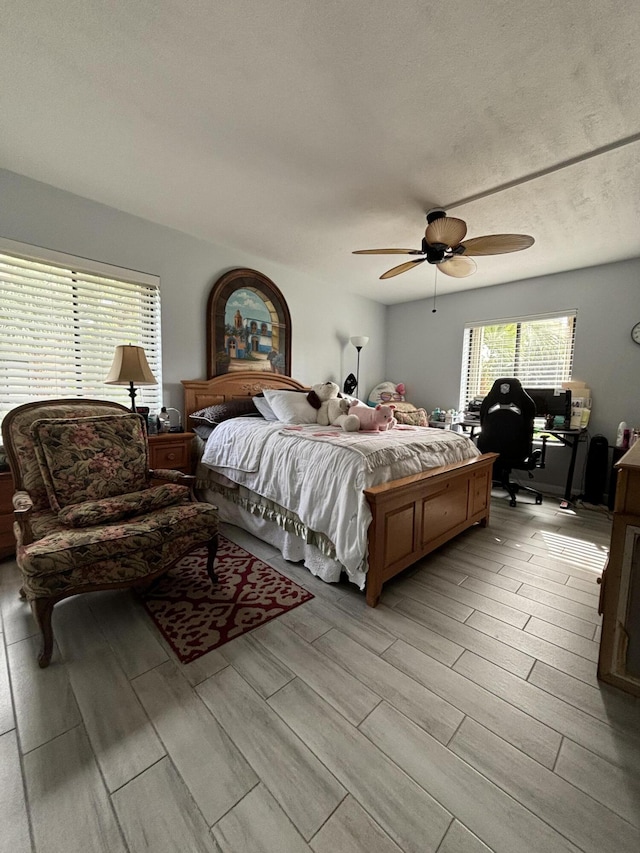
point(619, 659)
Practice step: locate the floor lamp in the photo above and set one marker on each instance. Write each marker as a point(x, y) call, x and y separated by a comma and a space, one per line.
point(358, 343)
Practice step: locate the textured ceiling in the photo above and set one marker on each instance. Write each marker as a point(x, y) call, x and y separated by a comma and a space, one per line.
point(300, 130)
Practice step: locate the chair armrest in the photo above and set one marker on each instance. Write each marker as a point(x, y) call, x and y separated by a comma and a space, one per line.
point(22, 509)
point(171, 476)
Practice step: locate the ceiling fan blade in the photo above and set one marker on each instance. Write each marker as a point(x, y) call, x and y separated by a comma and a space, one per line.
point(387, 252)
point(458, 266)
point(447, 230)
point(401, 268)
point(497, 244)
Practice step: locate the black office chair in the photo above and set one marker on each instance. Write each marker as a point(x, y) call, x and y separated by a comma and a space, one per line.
point(506, 427)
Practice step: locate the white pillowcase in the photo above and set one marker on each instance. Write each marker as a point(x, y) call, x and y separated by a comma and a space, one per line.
point(265, 409)
point(291, 407)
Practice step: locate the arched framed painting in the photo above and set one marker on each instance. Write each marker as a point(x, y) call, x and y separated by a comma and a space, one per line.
point(248, 325)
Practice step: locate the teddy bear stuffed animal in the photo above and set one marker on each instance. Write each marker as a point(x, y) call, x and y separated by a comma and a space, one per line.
point(331, 408)
point(339, 415)
point(381, 418)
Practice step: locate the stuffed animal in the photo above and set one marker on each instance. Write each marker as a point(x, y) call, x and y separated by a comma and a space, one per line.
point(319, 397)
point(386, 393)
point(332, 409)
point(381, 418)
point(339, 415)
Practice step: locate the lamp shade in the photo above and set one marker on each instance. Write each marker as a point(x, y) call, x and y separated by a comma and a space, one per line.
point(130, 365)
point(359, 341)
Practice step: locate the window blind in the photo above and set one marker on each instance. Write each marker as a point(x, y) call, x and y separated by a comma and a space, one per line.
point(536, 350)
point(60, 321)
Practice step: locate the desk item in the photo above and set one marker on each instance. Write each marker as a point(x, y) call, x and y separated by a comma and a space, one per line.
point(552, 403)
point(163, 420)
point(144, 411)
point(620, 433)
point(580, 403)
point(506, 419)
point(175, 420)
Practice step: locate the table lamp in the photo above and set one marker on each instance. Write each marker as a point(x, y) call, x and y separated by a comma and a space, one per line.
point(130, 366)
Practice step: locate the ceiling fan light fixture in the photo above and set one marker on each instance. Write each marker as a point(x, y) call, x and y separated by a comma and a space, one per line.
point(435, 213)
point(446, 231)
point(435, 254)
point(442, 245)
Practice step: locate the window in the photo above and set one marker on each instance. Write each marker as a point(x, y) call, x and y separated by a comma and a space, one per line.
point(536, 350)
point(60, 320)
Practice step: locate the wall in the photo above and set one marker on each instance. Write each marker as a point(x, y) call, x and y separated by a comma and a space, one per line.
point(323, 315)
point(428, 359)
point(607, 299)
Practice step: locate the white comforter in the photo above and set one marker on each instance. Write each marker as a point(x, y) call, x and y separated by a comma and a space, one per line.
point(320, 472)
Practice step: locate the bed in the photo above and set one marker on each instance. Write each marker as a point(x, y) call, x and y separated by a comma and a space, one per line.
point(410, 516)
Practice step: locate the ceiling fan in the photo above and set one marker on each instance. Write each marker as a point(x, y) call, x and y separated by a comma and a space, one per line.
point(442, 245)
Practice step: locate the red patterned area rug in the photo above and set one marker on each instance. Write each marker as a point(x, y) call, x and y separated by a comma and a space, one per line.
point(196, 617)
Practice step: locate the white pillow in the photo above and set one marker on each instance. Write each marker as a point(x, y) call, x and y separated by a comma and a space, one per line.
point(265, 409)
point(291, 407)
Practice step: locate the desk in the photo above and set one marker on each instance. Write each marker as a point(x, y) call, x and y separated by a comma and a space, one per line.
point(467, 426)
point(471, 426)
point(568, 437)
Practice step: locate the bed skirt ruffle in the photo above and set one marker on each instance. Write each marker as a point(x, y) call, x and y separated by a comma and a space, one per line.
point(280, 527)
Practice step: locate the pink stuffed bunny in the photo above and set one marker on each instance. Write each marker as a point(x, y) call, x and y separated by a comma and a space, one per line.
point(379, 419)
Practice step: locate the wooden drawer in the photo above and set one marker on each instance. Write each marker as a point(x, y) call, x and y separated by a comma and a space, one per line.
point(443, 511)
point(480, 491)
point(171, 450)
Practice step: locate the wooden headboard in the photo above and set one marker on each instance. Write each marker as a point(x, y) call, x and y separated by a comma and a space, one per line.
point(199, 393)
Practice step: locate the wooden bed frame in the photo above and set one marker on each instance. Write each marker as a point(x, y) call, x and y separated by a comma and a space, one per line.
point(412, 516)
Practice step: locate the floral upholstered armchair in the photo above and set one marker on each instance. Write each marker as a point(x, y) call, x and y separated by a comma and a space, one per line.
point(88, 515)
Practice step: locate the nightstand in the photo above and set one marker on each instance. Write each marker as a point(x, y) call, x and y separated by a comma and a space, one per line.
point(7, 539)
point(171, 450)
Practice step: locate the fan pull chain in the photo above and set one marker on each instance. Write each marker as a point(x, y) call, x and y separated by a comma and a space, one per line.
point(435, 290)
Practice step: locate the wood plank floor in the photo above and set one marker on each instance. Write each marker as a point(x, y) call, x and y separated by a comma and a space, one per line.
point(463, 715)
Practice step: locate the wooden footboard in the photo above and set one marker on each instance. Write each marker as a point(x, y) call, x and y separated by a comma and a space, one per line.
point(417, 514)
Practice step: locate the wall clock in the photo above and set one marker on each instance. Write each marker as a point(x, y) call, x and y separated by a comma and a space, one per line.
point(635, 333)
